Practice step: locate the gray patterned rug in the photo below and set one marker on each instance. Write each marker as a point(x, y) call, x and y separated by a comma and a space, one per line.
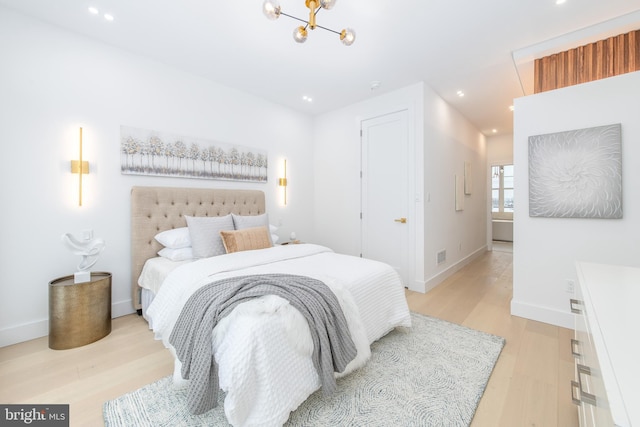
point(431, 375)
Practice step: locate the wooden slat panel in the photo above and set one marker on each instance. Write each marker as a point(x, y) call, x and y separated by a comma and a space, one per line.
point(561, 80)
point(615, 58)
point(611, 60)
point(634, 50)
point(552, 74)
point(604, 58)
point(587, 70)
point(572, 67)
point(580, 65)
point(537, 76)
point(621, 67)
point(546, 65)
point(599, 61)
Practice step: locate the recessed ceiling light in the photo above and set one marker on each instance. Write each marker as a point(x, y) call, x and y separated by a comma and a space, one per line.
point(511, 107)
point(108, 17)
point(560, 1)
point(460, 93)
point(494, 130)
point(307, 98)
point(93, 11)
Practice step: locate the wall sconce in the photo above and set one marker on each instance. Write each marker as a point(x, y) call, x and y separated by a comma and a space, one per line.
point(80, 167)
point(282, 182)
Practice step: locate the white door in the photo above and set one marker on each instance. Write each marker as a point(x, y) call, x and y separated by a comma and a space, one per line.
point(385, 215)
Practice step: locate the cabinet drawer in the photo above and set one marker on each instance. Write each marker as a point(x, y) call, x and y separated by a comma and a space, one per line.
point(610, 295)
point(588, 390)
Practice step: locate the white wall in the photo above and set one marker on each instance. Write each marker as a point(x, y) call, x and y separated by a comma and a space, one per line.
point(443, 140)
point(52, 81)
point(499, 150)
point(449, 141)
point(546, 249)
point(337, 164)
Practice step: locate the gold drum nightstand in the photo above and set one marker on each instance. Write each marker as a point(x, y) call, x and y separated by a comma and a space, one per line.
point(79, 313)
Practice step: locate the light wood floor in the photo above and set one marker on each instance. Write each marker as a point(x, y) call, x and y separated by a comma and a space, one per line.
point(529, 385)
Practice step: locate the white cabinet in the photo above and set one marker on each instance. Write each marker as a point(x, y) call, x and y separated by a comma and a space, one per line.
point(607, 345)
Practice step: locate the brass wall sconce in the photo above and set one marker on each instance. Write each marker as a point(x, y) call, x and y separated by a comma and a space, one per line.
point(282, 182)
point(80, 167)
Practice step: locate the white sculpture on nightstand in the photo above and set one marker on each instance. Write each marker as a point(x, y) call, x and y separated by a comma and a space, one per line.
point(89, 250)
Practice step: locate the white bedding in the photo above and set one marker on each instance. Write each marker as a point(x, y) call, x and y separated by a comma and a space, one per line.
point(155, 270)
point(263, 348)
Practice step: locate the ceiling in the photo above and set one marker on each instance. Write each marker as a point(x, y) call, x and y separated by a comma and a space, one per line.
point(482, 48)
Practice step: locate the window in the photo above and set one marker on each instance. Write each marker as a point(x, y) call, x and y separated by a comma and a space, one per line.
point(502, 191)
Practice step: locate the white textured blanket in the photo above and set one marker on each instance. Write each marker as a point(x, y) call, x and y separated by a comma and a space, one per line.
point(333, 347)
point(263, 348)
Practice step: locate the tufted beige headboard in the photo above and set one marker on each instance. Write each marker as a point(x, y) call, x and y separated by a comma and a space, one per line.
point(155, 209)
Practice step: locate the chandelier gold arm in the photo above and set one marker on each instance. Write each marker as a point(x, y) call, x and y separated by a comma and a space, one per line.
point(312, 5)
point(272, 10)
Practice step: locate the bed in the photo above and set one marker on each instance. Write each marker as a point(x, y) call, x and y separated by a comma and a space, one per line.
point(263, 347)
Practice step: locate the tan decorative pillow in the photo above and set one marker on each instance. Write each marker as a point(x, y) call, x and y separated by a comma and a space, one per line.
point(246, 239)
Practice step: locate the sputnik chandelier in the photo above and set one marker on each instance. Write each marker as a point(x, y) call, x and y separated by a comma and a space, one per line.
point(272, 10)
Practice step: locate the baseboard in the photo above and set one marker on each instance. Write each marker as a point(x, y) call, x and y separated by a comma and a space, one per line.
point(424, 287)
point(24, 332)
point(40, 328)
point(417, 286)
point(122, 308)
point(542, 314)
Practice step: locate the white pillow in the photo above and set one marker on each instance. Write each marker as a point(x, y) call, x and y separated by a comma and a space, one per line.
point(205, 234)
point(273, 229)
point(176, 238)
point(181, 254)
point(252, 221)
point(274, 238)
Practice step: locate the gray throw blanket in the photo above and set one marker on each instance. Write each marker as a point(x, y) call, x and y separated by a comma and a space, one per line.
point(333, 347)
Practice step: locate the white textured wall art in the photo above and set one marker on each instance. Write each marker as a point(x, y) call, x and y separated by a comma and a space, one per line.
point(468, 183)
point(459, 192)
point(576, 174)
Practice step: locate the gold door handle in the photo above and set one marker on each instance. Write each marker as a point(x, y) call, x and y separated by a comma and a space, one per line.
point(401, 220)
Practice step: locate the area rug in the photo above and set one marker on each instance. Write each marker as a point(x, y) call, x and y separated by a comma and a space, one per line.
point(433, 374)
